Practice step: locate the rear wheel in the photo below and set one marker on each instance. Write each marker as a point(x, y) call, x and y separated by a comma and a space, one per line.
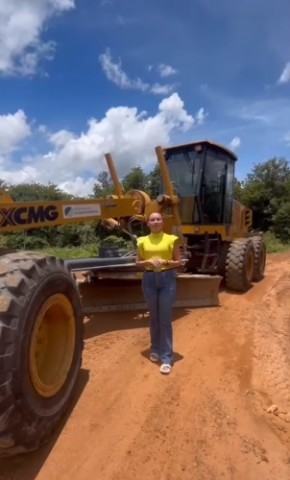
point(260, 258)
point(240, 265)
point(41, 337)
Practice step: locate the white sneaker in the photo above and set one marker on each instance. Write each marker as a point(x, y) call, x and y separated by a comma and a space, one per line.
point(165, 368)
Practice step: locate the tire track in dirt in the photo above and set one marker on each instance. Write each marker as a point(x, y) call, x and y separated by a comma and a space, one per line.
point(265, 355)
point(206, 421)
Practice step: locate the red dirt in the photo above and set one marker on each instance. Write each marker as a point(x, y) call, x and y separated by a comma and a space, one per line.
point(208, 420)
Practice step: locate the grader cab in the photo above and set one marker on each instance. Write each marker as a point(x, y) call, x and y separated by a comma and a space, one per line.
point(216, 227)
point(42, 305)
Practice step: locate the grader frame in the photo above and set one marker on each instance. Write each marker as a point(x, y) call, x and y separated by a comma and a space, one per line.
point(41, 309)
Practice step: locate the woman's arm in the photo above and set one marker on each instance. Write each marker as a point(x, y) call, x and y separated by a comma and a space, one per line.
point(140, 262)
point(176, 257)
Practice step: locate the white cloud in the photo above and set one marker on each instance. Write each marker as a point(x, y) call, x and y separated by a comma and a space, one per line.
point(201, 116)
point(60, 138)
point(287, 138)
point(235, 143)
point(115, 73)
point(159, 89)
point(78, 186)
point(175, 116)
point(74, 161)
point(285, 75)
point(253, 112)
point(273, 113)
point(166, 70)
point(13, 130)
point(21, 25)
point(22, 175)
point(121, 20)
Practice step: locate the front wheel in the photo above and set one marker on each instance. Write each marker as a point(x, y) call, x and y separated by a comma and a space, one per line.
point(240, 261)
point(41, 339)
point(260, 258)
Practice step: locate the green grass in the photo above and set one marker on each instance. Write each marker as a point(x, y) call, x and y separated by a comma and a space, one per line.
point(274, 245)
point(69, 253)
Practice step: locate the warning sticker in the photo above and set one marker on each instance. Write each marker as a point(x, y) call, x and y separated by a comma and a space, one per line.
point(82, 210)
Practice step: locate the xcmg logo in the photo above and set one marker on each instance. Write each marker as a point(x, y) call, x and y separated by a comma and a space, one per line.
point(27, 215)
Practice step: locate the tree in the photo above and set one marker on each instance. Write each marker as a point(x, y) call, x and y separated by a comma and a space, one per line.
point(31, 192)
point(135, 179)
point(265, 189)
point(78, 234)
point(3, 184)
point(238, 190)
point(104, 185)
point(154, 180)
point(281, 222)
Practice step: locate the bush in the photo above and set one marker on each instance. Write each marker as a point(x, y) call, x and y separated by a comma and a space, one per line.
point(273, 244)
point(22, 241)
point(281, 223)
point(114, 241)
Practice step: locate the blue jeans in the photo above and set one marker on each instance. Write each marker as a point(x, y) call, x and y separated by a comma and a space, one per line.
point(159, 290)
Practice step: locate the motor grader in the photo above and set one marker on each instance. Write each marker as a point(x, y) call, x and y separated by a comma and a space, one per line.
point(41, 309)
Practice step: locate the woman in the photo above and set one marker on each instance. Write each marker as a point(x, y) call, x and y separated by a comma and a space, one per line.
point(158, 253)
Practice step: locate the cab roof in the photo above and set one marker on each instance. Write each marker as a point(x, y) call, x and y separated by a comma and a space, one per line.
point(203, 143)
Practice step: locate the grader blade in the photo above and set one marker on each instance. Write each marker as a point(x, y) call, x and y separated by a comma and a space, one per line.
point(113, 295)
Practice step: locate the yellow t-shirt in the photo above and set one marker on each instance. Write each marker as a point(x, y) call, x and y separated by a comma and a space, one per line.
point(156, 245)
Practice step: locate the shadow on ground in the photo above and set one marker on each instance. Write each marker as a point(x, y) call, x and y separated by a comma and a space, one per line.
point(101, 323)
point(27, 466)
point(176, 356)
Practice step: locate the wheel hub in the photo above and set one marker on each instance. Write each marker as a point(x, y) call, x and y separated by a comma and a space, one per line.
point(52, 345)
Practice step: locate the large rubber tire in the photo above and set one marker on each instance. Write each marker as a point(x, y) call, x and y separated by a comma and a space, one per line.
point(223, 253)
point(240, 265)
point(5, 251)
point(41, 341)
point(260, 258)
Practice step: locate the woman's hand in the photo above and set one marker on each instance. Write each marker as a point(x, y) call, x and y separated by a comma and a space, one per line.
point(154, 263)
point(157, 262)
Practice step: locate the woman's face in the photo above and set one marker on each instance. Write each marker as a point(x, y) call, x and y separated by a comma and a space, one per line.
point(155, 222)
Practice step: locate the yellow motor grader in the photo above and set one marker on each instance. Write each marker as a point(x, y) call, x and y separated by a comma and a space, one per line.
point(42, 305)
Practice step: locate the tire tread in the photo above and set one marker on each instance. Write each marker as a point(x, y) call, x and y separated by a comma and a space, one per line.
point(19, 274)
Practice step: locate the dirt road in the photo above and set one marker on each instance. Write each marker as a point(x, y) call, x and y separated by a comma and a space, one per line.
point(208, 420)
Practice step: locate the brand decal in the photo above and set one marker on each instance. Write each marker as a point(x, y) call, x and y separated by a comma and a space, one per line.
point(82, 210)
point(27, 215)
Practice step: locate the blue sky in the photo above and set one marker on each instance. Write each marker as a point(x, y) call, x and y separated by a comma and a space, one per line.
point(79, 78)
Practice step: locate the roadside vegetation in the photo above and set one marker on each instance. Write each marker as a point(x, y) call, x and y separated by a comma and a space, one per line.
point(266, 190)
